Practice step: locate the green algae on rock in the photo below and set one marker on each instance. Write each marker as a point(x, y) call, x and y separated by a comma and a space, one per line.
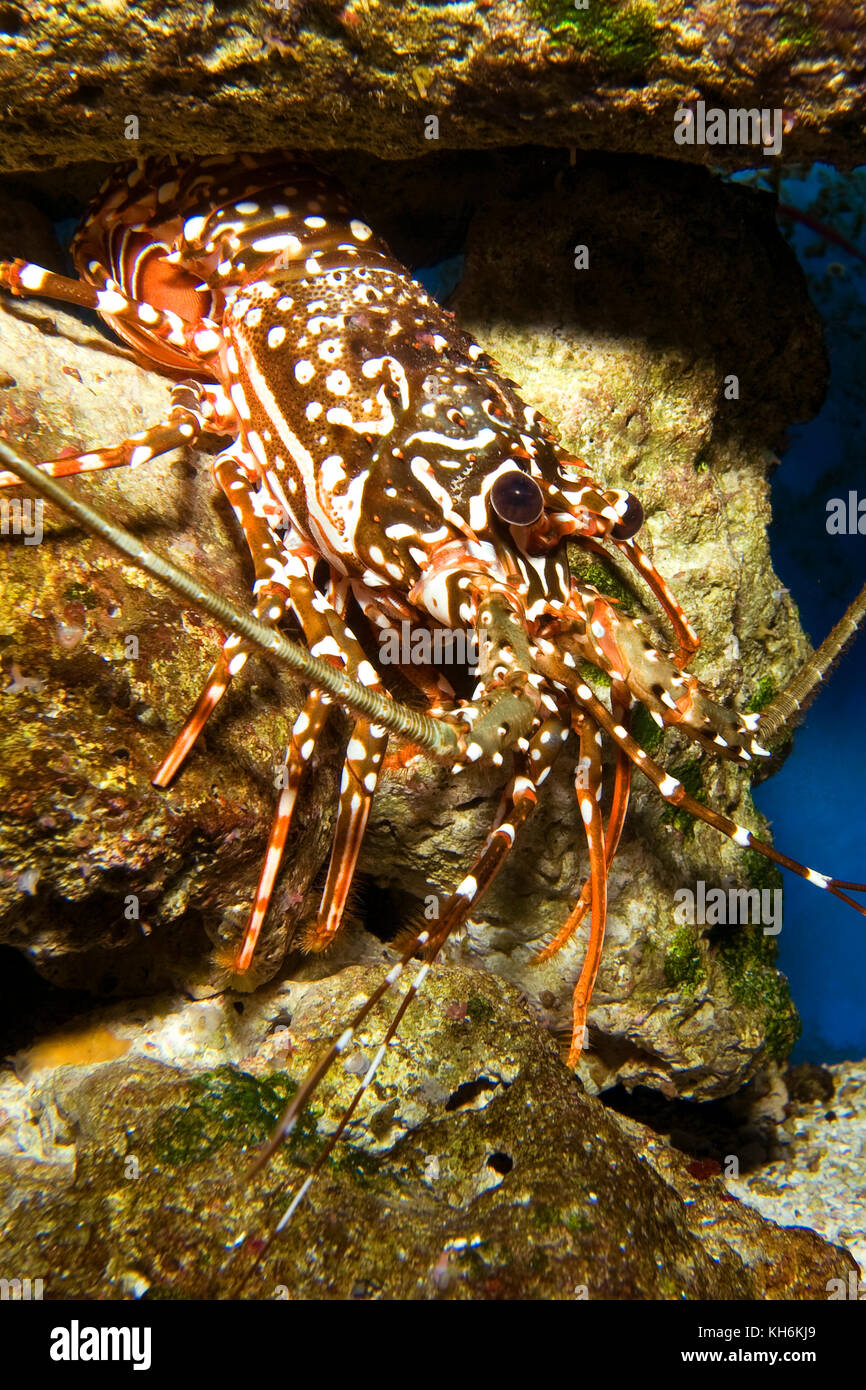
point(479, 1170)
point(622, 37)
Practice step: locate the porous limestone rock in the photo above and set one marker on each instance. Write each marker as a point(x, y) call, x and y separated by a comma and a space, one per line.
point(476, 1167)
point(99, 79)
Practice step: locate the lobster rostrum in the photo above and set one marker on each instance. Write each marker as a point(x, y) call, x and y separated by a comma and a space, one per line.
point(368, 432)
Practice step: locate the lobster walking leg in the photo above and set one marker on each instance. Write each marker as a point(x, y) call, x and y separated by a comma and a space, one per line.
point(516, 806)
point(590, 812)
point(128, 316)
point(612, 833)
point(361, 767)
point(271, 560)
point(674, 792)
point(182, 425)
point(305, 734)
point(330, 637)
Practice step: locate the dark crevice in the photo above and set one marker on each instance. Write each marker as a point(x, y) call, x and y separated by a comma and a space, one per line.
point(711, 1131)
point(88, 94)
point(12, 20)
point(469, 1092)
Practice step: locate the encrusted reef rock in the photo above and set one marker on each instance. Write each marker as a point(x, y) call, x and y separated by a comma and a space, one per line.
point(633, 360)
point(478, 1168)
point(817, 1179)
point(99, 665)
point(97, 79)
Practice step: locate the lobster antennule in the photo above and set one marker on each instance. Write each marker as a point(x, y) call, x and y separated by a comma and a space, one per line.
point(582, 508)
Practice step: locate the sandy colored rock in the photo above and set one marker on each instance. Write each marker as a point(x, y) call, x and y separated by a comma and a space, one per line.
point(781, 1255)
point(258, 74)
point(818, 1179)
point(477, 1169)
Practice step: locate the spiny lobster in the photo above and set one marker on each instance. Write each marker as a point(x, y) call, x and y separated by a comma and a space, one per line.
point(380, 465)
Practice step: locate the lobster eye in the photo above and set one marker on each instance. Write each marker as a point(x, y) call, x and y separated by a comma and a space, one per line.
point(517, 498)
point(630, 517)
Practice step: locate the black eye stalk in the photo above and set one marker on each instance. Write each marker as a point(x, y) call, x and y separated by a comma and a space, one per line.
point(517, 499)
point(630, 517)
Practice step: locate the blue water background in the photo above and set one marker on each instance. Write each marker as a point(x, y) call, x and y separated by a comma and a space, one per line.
point(816, 802)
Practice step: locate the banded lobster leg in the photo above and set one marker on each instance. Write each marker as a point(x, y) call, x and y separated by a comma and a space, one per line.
point(329, 636)
point(589, 776)
point(198, 341)
point(352, 818)
point(192, 406)
point(275, 564)
point(516, 805)
point(550, 660)
point(361, 768)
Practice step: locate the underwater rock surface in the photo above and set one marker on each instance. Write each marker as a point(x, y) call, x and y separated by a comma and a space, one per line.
point(98, 665)
point(477, 1169)
point(819, 1179)
point(634, 380)
point(254, 74)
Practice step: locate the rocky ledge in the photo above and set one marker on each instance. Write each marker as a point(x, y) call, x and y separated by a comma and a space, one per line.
point(99, 79)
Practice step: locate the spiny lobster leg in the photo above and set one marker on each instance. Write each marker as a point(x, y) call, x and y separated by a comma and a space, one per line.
point(588, 798)
point(329, 636)
point(319, 618)
point(620, 701)
point(201, 336)
point(674, 792)
point(516, 806)
point(182, 424)
point(361, 767)
point(305, 734)
point(271, 560)
point(674, 698)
